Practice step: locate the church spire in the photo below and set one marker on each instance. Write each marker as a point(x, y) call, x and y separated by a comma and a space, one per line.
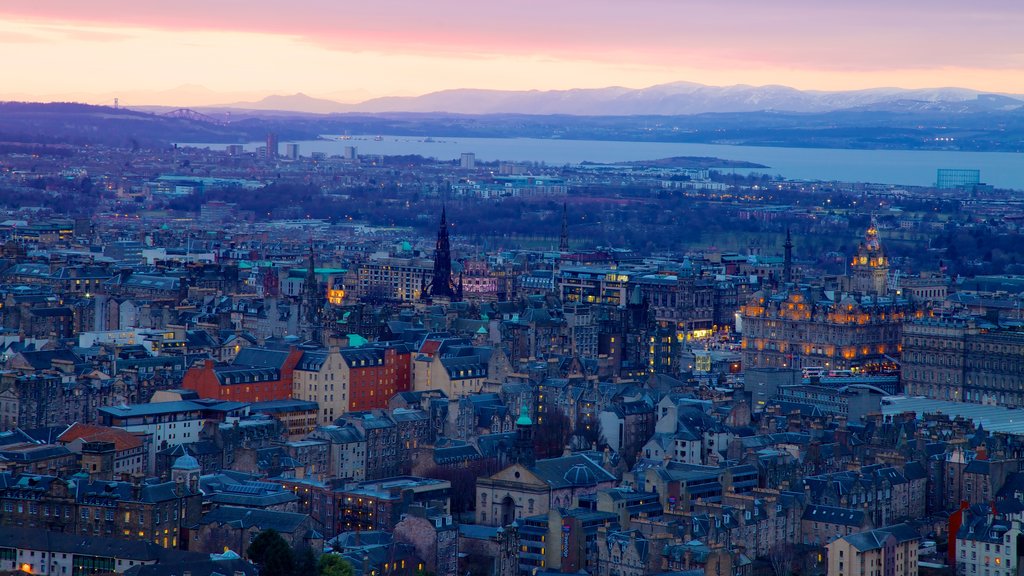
point(312, 300)
point(563, 239)
point(441, 285)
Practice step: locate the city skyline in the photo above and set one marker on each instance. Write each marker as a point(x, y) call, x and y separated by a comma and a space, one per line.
point(194, 54)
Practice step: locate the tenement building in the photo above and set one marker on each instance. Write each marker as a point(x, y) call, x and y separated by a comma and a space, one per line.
point(958, 359)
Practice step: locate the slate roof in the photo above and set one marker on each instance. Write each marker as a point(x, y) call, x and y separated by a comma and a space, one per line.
point(568, 471)
point(238, 517)
point(362, 357)
point(260, 358)
point(340, 434)
point(834, 515)
point(875, 539)
point(60, 542)
point(43, 359)
point(209, 566)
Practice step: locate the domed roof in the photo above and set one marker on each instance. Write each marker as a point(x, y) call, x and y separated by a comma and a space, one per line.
point(580, 475)
point(186, 462)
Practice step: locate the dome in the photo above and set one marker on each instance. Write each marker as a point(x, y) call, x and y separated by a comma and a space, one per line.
point(185, 462)
point(580, 475)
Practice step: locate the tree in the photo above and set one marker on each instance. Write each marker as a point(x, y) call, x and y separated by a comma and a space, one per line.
point(272, 554)
point(550, 432)
point(782, 556)
point(305, 561)
point(463, 479)
point(335, 565)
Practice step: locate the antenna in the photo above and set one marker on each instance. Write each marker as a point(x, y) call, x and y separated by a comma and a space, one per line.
point(117, 103)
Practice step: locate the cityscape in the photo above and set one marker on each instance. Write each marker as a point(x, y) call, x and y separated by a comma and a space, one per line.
point(520, 324)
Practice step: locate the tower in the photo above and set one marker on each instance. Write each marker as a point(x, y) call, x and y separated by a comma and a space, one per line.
point(787, 262)
point(311, 302)
point(98, 460)
point(869, 269)
point(185, 472)
point(441, 285)
point(523, 450)
point(563, 239)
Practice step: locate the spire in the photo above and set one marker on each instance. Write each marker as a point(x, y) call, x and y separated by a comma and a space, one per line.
point(563, 240)
point(524, 416)
point(312, 300)
point(441, 285)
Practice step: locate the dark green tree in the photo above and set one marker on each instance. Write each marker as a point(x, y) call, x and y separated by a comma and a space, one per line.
point(335, 565)
point(272, 554)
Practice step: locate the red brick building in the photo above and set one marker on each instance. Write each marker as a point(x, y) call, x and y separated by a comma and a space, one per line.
point(375, 374)
point(257, 375)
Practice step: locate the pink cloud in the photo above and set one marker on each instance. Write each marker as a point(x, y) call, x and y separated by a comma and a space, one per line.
point(808, 34)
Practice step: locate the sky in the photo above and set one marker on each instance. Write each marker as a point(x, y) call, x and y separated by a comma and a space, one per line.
point(193, 52)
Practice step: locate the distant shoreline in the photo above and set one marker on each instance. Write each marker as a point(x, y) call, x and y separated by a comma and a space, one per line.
point(689, 162)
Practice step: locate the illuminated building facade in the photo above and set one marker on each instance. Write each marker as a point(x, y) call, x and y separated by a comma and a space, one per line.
point(794, 329)
point(859, 330)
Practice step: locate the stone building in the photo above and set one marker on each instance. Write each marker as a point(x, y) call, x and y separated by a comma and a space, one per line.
point(956, 359)
point(858, 328)
point(889, 551)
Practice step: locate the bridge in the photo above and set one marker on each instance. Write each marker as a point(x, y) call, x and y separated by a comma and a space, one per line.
point(189, 114)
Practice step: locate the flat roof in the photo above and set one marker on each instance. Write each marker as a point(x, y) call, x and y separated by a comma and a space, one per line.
point(993, 418)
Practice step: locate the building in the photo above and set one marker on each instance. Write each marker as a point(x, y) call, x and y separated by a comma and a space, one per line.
point(392, 278)
point(987, 543)
point(272, 149)
point(130, 454)
point(956, 359)
point(256, 375)
point(520, 490)
point(371, 375)
point(381, 437)
point(467, 161)
point(381, 504)
point(48, 553)
point(168, 423)
point(135, 510)
point(796, 329)
point(234, 527)
point(952, 178)
point(822, 524)
point(889, 551)
point(347, 451)
point(858, 329)
point(298, 417)
point(434, 535)
point(852, 402)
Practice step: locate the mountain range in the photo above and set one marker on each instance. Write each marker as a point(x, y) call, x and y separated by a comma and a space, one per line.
point(675, 99)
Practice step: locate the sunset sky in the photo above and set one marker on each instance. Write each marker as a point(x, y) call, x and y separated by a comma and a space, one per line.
point(191, 52)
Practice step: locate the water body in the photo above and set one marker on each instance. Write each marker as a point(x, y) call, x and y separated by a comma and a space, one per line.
point(897, 167)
